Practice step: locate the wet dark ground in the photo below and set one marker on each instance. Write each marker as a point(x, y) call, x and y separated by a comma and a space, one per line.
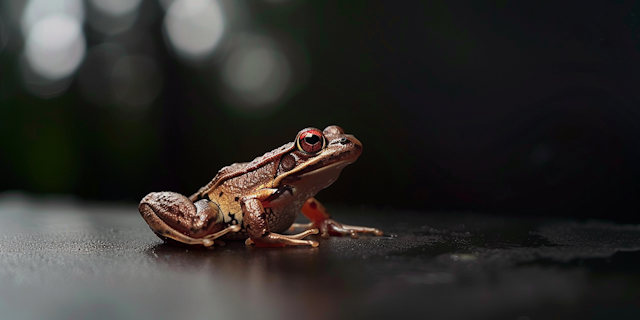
point(64, 259)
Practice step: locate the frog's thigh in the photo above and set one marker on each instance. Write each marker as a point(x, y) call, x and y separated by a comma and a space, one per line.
point(173, 216)
point(314, 210)
point(255, 221)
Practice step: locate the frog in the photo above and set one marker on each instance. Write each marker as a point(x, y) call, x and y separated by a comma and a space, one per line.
point(259, 200)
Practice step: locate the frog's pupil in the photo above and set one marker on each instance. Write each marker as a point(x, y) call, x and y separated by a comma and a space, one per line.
point(312, 139)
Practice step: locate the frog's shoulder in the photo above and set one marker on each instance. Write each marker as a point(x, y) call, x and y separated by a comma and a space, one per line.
point(238, 169)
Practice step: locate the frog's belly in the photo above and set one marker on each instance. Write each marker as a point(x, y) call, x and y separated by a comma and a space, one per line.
point(278, 220)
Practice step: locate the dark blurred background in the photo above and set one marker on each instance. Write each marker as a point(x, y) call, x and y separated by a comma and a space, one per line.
point(497, 106)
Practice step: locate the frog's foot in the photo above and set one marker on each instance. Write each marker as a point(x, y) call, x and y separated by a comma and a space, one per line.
point(293, 237)
point(281, 240)
point(208, 241)
point(321, 219)
point(330, 227)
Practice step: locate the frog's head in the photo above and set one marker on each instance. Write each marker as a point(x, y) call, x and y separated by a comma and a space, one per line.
point(317, 159)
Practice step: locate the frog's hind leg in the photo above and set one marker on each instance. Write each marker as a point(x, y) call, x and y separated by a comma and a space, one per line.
point(321, 219)
point(173, 216)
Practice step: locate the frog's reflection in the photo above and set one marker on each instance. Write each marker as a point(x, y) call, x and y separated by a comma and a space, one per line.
point(278, 281)
point(237, 259)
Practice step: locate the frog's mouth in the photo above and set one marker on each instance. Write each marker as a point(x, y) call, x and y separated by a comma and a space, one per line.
point(321, 174)
point(338, 165)
point(327, 169)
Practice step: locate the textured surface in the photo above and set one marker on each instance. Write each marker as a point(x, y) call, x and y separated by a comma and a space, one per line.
point(60, 259)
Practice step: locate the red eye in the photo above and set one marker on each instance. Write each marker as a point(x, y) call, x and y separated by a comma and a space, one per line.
point(310, 141)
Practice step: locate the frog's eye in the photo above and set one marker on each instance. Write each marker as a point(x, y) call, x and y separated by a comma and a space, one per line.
point(310, 141)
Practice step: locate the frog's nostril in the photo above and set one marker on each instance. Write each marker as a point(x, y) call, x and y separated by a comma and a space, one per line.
point(344, 141)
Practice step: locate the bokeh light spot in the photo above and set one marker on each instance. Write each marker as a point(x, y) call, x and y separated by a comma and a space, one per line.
point(136, 81)
point(37, 10)
point(55, 46)
point(111, 17)
point(40, 86)
point(257, 72)
point(194, 27)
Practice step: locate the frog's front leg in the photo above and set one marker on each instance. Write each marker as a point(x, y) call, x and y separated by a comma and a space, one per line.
point(321, 219)
point(173, 216)
point(257, 226)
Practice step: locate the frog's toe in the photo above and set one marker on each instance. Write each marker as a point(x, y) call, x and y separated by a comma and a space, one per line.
point(279, 240)
point(302, 234)
point(330, 227)
point(301, 226)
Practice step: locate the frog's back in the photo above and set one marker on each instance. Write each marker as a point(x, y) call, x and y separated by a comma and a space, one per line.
point(239, 169)
point(223, 174)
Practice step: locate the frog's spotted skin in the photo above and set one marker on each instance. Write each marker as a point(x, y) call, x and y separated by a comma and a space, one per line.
point(262, 198)
point(232, 219)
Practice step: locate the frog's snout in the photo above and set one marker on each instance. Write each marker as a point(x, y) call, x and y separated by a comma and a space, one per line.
point(357, 145)
point(353, 140)
point(346, 140)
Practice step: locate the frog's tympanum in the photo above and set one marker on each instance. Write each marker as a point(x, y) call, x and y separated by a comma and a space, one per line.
point(258, 200)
